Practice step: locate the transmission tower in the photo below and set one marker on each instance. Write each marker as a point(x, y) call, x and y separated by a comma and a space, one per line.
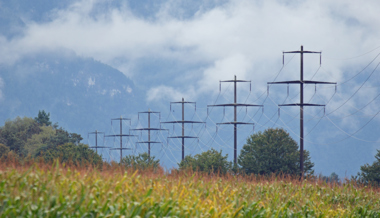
point(121, 135)
point(302, 104)
point(235, 105)
point(148, 129)
point(183, 121)
point(96, 140)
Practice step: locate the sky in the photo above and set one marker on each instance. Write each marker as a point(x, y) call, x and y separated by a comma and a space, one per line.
point(174, 49)
point(242, 37)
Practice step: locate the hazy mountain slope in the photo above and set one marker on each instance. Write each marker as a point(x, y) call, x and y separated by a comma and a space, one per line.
point(80, 93)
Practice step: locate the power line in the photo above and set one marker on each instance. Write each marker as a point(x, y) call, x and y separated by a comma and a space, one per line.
point(96, 140)
point(301, 82)
point(121, 135)
point(183, 122)
point(149, 129)
point(356, 90)
point(354, 56)
point(361, 71)
point(235, 105)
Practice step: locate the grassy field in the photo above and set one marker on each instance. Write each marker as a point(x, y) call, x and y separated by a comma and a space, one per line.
point(40, 190)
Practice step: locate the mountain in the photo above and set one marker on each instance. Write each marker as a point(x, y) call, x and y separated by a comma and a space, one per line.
point(81, 94)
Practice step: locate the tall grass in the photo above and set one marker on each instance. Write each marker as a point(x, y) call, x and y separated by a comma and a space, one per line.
point(37, 189)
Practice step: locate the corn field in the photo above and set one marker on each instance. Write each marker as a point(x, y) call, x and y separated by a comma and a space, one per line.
point(41, 190)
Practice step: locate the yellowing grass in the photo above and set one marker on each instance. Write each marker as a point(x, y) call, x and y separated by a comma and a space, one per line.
point(61, 192)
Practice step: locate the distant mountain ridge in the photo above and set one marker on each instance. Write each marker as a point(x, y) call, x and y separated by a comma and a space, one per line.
point(80, 93)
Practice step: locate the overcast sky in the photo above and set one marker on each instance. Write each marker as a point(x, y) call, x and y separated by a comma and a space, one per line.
point(174, 49)
point(245, 38)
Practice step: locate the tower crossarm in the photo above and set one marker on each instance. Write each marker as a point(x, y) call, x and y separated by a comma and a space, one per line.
point(299, 82)
point(123, 135)
point(96, 132)
point(146, 142)
point(184, 102)
point(120, 118)
point(239, 81)
point(235, 104)
point(99, 147)
point(149, 112)
point(304, 104)
point(151, 129)
point(183, 121)
point(183, 137)
point(235, 122)
point(120, 148)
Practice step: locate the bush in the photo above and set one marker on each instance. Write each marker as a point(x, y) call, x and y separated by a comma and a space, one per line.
point(4, 150)
point(210, 161)
point(78, 155)
point(141, 162)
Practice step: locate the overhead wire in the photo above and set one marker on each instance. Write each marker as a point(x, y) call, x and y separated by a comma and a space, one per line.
point(205, 130)
point(354, 56)
point(361, 71)
point(373, 71)
point(335, 142)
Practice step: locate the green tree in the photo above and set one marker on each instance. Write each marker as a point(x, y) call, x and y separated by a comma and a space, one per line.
point(43, 118)
point(332, 178)
point(79, 154)
point(272, 151)
point(51, 137)
point(142, 161)
point(26, 136)
point(370, 174)
point(45, 137)
point(62, 136)
point(16, 132)
point(4, 150)
point(210, 161)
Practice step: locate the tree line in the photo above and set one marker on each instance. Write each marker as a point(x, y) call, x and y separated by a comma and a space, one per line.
point(272, 151)
point(28, 138)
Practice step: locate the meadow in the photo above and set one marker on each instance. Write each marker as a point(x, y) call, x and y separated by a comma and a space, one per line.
point(54, 190)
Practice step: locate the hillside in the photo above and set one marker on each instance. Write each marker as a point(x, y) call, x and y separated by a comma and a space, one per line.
point(82, 94)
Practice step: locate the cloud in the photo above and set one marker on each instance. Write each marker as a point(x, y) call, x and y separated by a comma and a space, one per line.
point(167, 93)
point(243, 38)
point(91, 81)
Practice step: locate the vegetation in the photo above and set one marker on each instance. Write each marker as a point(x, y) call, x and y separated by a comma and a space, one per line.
point(273, 151)
point(54, 191)
point(205, 185)
point(43, 118)
point(79, 154)
point(37, 138)
point(210, 161)
point(333, 178)
point(4, 150)
point(370, 174)
point(14, 134)
point(141, 162)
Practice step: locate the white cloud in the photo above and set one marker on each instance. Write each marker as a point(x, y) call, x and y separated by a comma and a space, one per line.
point(128, 89)
point(167, 93)
point(243, 38)
point(114, 92)
point(91, 81)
